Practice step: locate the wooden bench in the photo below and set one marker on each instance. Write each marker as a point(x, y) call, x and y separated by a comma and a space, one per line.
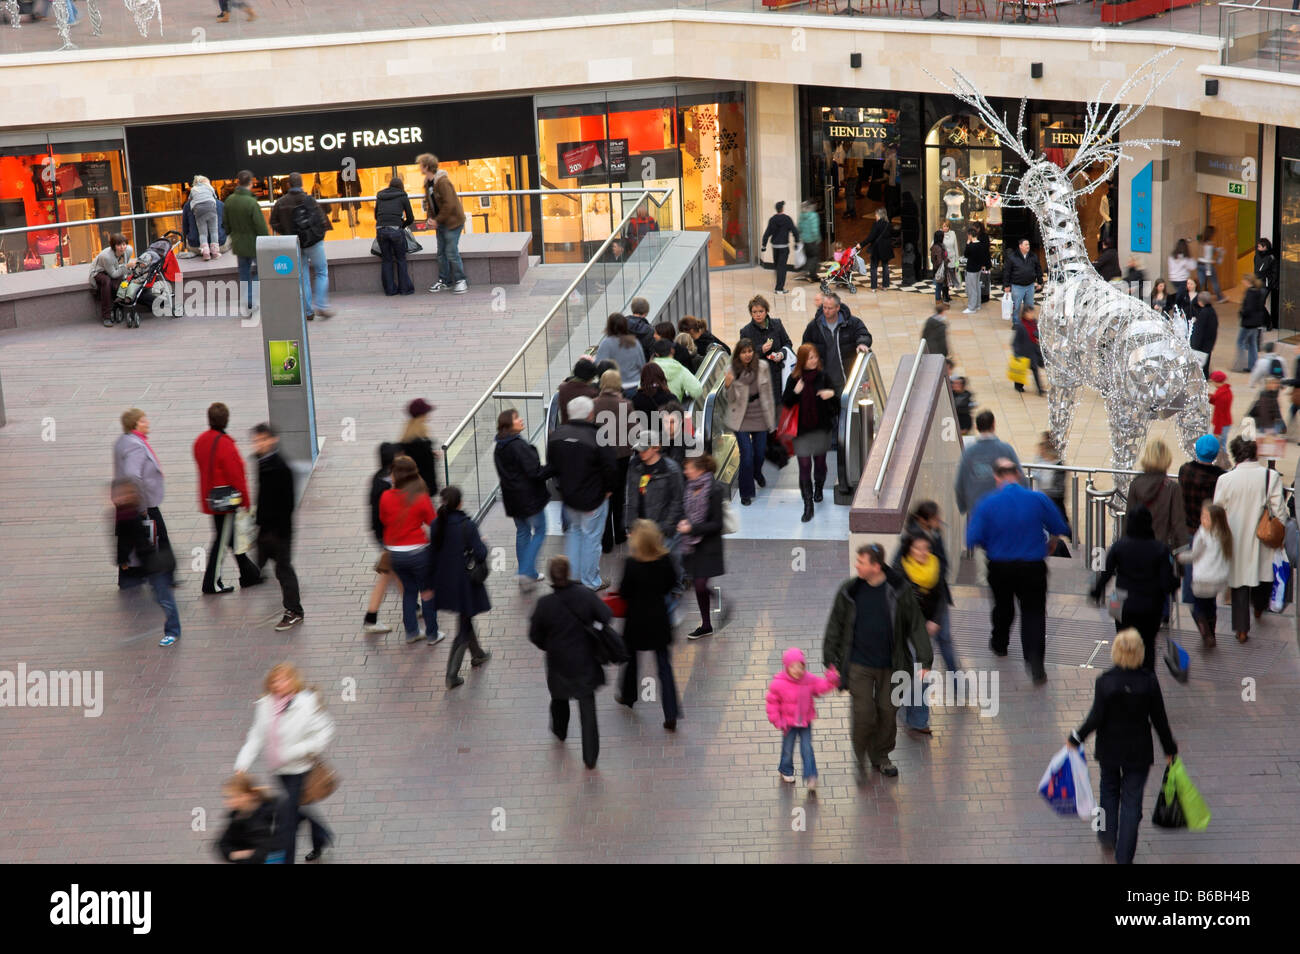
point(62, 295)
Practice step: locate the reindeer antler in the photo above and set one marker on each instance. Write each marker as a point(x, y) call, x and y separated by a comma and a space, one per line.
point(1101, 127)
point(968, 93)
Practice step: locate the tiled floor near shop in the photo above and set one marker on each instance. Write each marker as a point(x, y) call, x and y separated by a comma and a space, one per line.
point(426, 773)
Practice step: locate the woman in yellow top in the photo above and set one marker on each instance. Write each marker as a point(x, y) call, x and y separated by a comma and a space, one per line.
point(922, 569)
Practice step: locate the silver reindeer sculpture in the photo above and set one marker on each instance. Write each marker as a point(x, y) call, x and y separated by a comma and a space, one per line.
point(1094, 334)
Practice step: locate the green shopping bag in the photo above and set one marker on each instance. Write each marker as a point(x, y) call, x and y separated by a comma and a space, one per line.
point(1179, 784)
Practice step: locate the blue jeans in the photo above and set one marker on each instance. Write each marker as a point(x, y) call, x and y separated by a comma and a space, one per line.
point(674, 545)
point(162, 592)
point(943, 638)
point(1021, 295)
point(1121, 806)
point(247, 275)
point(316, 286)
point(1207, 277)
point(412, 568)
point(450, 267)
point(530, 532)
point(804, 734)
point(582, 542)
point(753, 451)
point(1248, 341)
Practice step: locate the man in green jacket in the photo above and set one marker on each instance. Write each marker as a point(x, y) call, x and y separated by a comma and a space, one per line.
point(873, 620)
point(680, 380)
point(244, 223)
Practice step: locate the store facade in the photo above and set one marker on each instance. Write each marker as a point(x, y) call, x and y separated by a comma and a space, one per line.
point(910, 152)
point(1287, 236)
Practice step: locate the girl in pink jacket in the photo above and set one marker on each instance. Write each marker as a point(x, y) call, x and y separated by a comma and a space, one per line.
point(790, 708)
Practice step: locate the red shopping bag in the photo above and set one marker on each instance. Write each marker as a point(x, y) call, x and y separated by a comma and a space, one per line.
point(617, 605)
point(788, 428)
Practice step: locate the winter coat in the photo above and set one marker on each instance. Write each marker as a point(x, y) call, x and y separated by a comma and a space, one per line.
point(1221, 401)
point(663, 496)
point(222, 467)
point(977, 256)
point(304, 730)
point(881, 240)
point(964, 403)
point(1022, 269)
point(256, 832)
point(940, 266)
point(935, 335)
point(275, 497)
point(134, 461)
point(630, 358)
point(645, 334)
point(558, 627)
point(705, 560)
point(1164, 498)
point(780, 231)
point(790, 701)
point(282, 215)
point(1266, 411)
point(814, 381)
point(137, 556)
point(612, 417)
point(1241, 492)
point(1265, 266)
point(1253, 312)
point(837, 347)
point(781, 344)
point(740, 394)
point(1210, 567)
point(441, 202)
point(420, 450)
point(1023, 344)
point(914, 529)
point(570, 389)
point(911, 640)
point(244, 222)
point(1143, 569)
point(453, 590)
point(393, 209)
point(975, 479)
point(644, 586)
point(379, 483)
point(1206, 329)
point(584, 468)
point(1107, 264)
point(1126, 705)
point(523, 478)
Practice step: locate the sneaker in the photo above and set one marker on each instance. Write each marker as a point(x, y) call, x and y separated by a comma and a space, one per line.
point(700, 632)
point(311, 316)
point(108, 322)
point(481, 661)
point(887, 769)
point(287, 621)
point(455, 681)
point(460, 287)
point(439, 287)
point(224, 18)
point(434, 640)
point(167, 641)
point(327, 312)
point(412, 638)
point(787, 778)
point(377, 628)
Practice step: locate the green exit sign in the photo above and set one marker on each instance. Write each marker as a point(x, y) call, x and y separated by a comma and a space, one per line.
point(1236, 188)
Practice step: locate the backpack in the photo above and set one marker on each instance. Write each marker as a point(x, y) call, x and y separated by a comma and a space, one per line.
point(306, 224)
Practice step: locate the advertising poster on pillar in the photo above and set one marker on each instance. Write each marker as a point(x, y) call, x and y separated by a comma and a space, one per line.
point(286, 363)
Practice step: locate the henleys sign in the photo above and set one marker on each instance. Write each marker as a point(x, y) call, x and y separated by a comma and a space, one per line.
point(331, 141)
point(858, 131)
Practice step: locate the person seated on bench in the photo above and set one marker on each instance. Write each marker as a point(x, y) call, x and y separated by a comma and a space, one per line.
point(107, 271)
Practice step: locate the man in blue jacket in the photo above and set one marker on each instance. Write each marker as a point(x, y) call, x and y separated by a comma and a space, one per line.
point(1015, 525)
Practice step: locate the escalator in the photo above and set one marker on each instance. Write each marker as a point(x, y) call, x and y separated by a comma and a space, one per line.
point(861, 403)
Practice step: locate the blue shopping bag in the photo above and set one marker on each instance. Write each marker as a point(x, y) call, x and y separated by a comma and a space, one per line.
point(1176, 659)
point(1066, 786)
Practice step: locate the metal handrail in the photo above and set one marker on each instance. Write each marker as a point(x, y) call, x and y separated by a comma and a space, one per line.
point(646, 194)
point(266, 204)
point(898, 418)
point(865, 365)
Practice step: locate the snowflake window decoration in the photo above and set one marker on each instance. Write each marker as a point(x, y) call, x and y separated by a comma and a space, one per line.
point(711, 193)
point(727, 140)
point(728, 173)
point(703, 161)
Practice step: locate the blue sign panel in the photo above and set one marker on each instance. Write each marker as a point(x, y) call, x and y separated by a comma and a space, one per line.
point(1140, 215)
point(283, 265)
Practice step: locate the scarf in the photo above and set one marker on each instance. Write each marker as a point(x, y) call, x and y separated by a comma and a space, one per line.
point(273, 734)
point(696, 504)
point(145, 441)
point(925, 576)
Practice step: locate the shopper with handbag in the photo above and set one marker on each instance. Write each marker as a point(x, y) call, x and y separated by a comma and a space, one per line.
point(223, 491)
point(750, 415)
point(648, 578)
point(809, 392)
point(561, 626)
point(782, 233)
point(144, 555)
point(1143, 568)
point(458, 567)
point(291, 730)
point(942, 268)
point(1252, 496)
point(701, 531)
point(393, 216)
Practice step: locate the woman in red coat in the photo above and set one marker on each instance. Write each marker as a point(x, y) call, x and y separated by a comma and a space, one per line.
point(220, 465)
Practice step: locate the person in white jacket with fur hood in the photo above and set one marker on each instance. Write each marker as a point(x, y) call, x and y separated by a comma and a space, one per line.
point(1210, 557)
point(291, 729)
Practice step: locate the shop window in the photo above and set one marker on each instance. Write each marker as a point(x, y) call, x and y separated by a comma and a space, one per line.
point(66, 182)
point(714, 186)
point(1288, 248)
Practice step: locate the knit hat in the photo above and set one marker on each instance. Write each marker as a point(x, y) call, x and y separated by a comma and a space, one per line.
point(419, 407)
point(1218, 377)
point(1207, 448)
point(791, 656)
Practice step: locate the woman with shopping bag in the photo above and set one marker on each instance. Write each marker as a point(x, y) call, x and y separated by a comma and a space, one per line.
point(1252, 496)
point(1126, 706)
point(809, 395)
point(1025, 349)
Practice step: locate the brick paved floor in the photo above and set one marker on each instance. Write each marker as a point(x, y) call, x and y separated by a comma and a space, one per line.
point(281, 18)
point(424, 771)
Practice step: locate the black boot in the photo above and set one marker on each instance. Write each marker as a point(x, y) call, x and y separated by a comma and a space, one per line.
point(817, 489)
point(806, 490)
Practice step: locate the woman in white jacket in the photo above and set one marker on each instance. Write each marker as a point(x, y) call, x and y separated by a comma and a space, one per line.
point(1211, 565)
point(1242, 492)
point(292, 729)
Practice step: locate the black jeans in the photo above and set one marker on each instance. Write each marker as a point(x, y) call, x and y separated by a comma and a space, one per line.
point(780, 258)
point(667, 685)
point(1147, 624)
point(221, 541)
point(273, 546)
point(615, 531)
point(292, 814)
point(1121, 806)
point(1246, 598)
point(812, 253)
point(465, 639)
point(883, 264)
point(105, 292)
point(393, 272)
point(587, 716)
point(1023, 582)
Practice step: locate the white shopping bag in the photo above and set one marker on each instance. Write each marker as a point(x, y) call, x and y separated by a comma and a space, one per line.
point(1281, 576)
point(1007, 305)
point(798, 258)
point(1065, 784)
point(245, 530)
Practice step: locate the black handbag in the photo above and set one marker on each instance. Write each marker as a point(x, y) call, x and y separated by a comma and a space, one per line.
point(412, 244)
point(223, 499)
point(606, 644)
point(476, 568)
point(1168, 814)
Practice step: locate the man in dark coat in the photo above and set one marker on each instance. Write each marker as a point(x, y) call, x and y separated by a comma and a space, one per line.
point(837, 335)
point(524, 494)
point(585, 470)
point(638, 322)
point(559, 628)
point(1205, 330)
point(881, 242)
point(275, 500)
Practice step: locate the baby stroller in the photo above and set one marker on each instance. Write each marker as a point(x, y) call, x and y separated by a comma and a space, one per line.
point(839, 272)
point(141, 286)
